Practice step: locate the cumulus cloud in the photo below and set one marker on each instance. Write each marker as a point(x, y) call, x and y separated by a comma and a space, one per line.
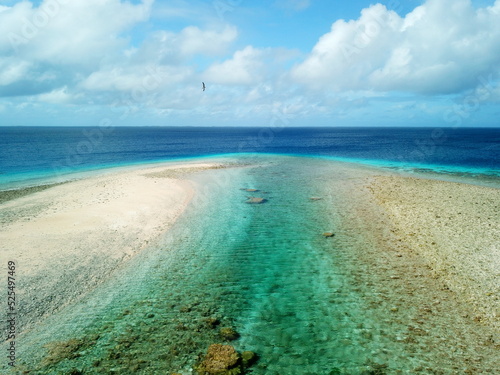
point(441, 47)
point(251, 66)
point(74, 31)
point(45, 47)
point(129, 78)
point(167, 47)
point(12, 71)
point(192, 40)
point(61, 50)
point(160, 72)
point(243, 68)
point(57, 96)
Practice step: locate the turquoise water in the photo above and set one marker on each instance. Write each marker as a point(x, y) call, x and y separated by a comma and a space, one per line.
point(30, 153)
point(276, 270)
point(303, 302)
point(477, 175)
point(18, 180)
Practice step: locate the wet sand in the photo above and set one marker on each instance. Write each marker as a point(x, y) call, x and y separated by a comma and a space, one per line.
point(455, 228)
point(428, 269)
point(7, 195)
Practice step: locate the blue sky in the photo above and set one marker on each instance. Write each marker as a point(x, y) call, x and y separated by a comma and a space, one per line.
point(307, 62)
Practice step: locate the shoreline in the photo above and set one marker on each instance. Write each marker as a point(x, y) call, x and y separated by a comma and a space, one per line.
point(442, 173)
point(67, 238)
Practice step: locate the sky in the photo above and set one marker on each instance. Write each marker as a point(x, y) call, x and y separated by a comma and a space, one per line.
point(265, 63)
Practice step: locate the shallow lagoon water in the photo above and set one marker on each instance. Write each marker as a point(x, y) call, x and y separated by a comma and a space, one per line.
point(298, 299)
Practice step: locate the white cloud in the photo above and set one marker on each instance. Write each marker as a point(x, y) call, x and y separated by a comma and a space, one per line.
point(76, 32)
point(440, 47)
point(251, 66)
point(243, 68)
point(160, 72)
point(196, 41)
point(57, 96)
point(45, 47)
point(173, 48)
point(85, 47)
point(12, 71)
point(137, 77)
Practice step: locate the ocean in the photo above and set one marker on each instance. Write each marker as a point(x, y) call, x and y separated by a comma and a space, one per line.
point(28, 154)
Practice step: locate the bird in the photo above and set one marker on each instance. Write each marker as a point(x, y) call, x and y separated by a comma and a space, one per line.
point(203, 86)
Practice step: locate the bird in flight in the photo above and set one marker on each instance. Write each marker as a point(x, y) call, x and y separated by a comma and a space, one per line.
point(203, 86)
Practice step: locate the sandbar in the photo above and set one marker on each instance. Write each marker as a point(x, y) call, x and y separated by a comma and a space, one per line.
point(67, 238)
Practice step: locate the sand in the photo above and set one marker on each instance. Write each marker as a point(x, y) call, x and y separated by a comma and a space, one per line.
point(66, 239)
point(455, 227)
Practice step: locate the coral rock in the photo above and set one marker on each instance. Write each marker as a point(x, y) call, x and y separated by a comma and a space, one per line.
point(220, 360)
point(256, 200)
point(228, 333)
point(248, 358)
point(212, 322)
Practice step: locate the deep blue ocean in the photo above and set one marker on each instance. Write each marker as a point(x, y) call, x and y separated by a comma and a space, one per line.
point(31, 153)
